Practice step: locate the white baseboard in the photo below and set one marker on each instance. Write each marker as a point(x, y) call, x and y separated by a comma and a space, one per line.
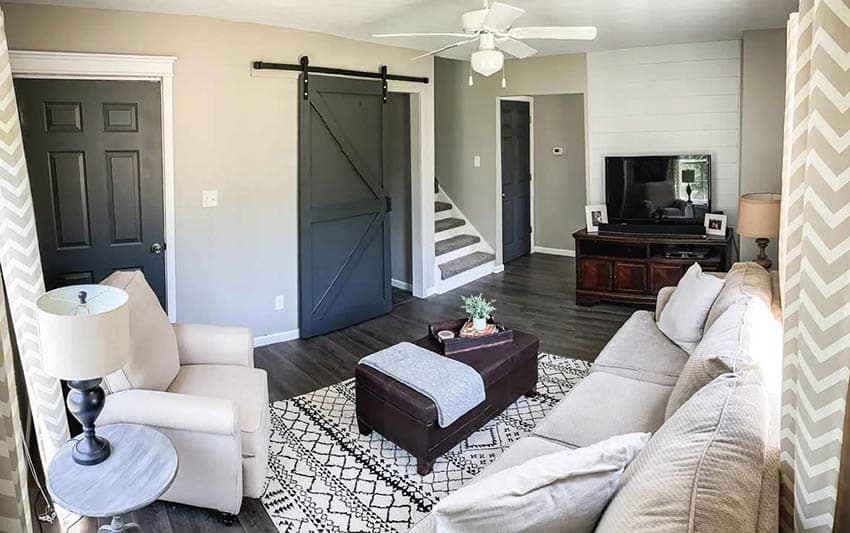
point(554, 251)
point(274, 338)
point(403, 285)
point(498, 268)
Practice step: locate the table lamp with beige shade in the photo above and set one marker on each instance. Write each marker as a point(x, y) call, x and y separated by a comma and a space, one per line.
point(85, 335)
point(758, 218)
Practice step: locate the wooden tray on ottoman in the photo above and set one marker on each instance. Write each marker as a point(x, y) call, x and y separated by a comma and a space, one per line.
point(460, 344)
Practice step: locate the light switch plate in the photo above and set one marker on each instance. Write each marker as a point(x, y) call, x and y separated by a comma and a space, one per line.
point(209, 198)
point(476, 161)
point(558, 150)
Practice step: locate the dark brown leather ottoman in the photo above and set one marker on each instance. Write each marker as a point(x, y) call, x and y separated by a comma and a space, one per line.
point(409, 419)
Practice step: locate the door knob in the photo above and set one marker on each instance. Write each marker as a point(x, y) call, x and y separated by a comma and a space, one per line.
point(157, 248)
point(504, 196)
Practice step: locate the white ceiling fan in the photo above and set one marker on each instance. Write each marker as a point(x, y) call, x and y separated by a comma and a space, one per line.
point(492, 28)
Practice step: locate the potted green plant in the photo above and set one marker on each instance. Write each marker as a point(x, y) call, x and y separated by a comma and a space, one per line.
point(479, 310)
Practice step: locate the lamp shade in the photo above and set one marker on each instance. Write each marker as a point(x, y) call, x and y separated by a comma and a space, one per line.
point(688, 175)
point(84, 331)
point(758, 215)
point(487, 62)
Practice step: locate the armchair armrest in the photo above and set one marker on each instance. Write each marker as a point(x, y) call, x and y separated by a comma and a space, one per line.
point(214, 345)
point(171, 411)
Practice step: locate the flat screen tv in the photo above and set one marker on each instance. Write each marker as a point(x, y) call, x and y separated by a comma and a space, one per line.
point(670, 189)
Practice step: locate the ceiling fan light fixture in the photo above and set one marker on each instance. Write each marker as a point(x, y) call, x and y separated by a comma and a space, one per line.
point(487, 62)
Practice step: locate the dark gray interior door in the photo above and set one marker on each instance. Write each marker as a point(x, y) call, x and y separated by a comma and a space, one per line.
point(344, 230)
point(516, 180)
point(94, 154)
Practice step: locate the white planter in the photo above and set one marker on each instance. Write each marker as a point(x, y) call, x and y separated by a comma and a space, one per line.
point(479, 324)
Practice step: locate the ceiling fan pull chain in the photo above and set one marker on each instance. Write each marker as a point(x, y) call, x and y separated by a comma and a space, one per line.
point(504, 81)
point(471, 82)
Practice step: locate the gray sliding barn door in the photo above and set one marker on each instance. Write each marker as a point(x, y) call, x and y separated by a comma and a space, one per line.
point(94, 151)
point(344, 232)
point(516, 180)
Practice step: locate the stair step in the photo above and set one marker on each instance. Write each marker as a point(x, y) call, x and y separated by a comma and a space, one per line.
point(441, 206)
point(448, 223)
point(462, 264)
point(455, 243)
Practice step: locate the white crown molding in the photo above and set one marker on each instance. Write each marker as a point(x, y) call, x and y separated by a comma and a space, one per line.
point(81, 65)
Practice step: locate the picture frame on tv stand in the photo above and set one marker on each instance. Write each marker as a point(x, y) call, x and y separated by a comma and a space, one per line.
point(595, 215)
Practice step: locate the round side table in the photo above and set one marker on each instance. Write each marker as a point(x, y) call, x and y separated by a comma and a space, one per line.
point(140, 468)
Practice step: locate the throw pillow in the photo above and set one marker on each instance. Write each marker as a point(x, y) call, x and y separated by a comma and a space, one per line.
point(738, 341)
point(702, 470)
point(562, 491)
point(683, 318)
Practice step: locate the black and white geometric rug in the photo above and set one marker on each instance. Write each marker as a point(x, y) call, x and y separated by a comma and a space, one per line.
point(324, 476)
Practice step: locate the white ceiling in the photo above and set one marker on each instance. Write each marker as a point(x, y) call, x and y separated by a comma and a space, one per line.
point(621, 23)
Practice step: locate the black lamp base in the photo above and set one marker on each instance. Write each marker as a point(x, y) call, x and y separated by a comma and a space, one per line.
point(85, 401)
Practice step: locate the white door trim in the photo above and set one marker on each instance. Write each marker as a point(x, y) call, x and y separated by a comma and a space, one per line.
point(72, 65)
point(422, 182)
point(499, 100)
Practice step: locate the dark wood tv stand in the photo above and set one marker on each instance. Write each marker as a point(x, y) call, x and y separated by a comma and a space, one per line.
point(633, 268)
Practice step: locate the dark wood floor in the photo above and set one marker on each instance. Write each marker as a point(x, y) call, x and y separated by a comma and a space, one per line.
point(536, 293)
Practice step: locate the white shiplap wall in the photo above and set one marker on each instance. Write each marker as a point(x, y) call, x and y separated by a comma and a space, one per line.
point(682, 98)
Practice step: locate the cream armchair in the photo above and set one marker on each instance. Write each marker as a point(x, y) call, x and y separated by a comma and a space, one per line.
point(198, 385)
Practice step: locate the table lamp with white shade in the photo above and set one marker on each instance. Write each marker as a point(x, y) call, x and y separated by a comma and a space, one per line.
point(758, 218)
point(85, 335)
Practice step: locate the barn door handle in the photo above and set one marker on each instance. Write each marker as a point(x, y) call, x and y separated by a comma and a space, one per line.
point(389, 203)
point(157, 248)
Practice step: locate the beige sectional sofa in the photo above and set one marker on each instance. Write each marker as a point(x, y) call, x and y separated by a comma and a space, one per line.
point(712, 462)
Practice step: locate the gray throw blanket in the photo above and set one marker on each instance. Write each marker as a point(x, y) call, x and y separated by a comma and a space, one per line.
point(454, 387)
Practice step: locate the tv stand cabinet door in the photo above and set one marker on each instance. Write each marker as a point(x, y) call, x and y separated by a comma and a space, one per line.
point(595, 274)
point(665, 275)
point(630, 277)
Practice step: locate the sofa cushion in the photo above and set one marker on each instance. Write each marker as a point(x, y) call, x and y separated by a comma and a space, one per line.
point(603, 405)
point(731, 344)
point(743, 279)
point(563, 491)
point(246, 387)
point(640, 351)
point(702, 471)
point(683, 318)
point(154, 359)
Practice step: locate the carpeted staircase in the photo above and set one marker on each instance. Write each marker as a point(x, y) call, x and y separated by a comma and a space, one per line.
point(461, 255)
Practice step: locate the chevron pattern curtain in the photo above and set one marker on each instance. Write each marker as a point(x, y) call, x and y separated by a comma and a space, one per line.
point(815, 263)
point(21, 268)
point(14, 500)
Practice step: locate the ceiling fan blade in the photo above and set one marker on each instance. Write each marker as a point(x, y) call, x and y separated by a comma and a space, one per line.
point(582, 33)
point(515, 48)
point(421, 35)
point(500, 16)
point(443, 49)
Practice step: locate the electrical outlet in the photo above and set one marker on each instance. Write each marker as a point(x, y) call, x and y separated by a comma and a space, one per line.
point(476, 161)
point(278, 302)
point(558, 150)
point(209, 198)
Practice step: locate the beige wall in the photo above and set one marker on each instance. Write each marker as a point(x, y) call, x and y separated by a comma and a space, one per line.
point(465, 125)
point(762, 116)
point(559, 181)
point(232, 132)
